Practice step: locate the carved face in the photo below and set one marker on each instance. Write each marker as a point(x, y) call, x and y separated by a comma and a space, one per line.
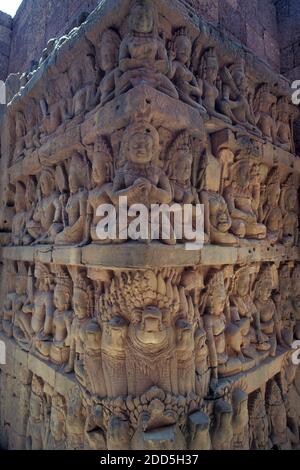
point(241, 81)
point(61, 298)
point(265, 290)
point(219, 216)
point(183, 166)
point(183, 49)
point(108, 56)
point(21, 284)
point(243, 174)
point(80, 303)
point(243, 284)
point(141, 18)
point(99, 170)
point(141, 147)
point(274, 195)
point(56, 425)
point(47, 184)
point(218, 299)
point(291, 198)
point(74, 182)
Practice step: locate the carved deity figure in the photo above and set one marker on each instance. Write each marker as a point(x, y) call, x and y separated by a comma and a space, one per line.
point(78, 177)
point(83, 305)
point(184, 80)
point(290, 207)
point(56, 433)
point(264, 109)
point(221, 335)
point(102, 175)
point(284, 307)
point(240, 420)
point(269, 212)
point(140, 179)
point(143, 58)
point(258, 422)
point(222, 433)
point(296, 298)
point(242, 197)
point(56, 104)
point(266, 323)
point(46, 222)
point(233, 101)
point(179, 169)
point(75, 420)
point(20, 133)
point(114, 334)
point(62, 318)
point(279, 435)
point(243, 310)
point(284, 130)
point(15, 300)
point(36, 431)
point(19, 219)
point(208, 71)
point(109, 61)
point(40, 309)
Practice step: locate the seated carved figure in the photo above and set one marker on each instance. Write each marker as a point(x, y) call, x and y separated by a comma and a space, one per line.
point(296, 298)
point(284, 307)
point(184, 80)
point(222, 335)
point(143, 57)
point(270, 212)
point(217, 219)
point(266, 322)
point(102, 169)
point(289, 206)
point(242, 198)
point(36, 320)
point(207, 77)
point(15, 300)
point(62, 319)
point(46, 219)
point(77, 203)
point(108, 58)
point(265, 112)
point(284, 132)
point(140, 179)
point(19, 219)
point(233, 102)
point(83, 308)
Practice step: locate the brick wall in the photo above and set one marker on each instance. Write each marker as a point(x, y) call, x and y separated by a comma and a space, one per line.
point(252, 22)
point(5, 43)
point(37, 21)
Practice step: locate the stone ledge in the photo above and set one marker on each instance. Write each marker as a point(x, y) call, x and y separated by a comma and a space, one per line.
point(133, 255)
point(16, 359)
point(249, 381)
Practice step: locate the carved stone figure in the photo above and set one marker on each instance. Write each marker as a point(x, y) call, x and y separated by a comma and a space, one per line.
point(62, 318)
point(233, 101)
point(208, 71)
point(242, 198)
point(284, 307)
point(222, 433)
point(284, 132)
point(56, 436)
point(279, 436)
point(240, 420)
point(45, 223)
point(265, 112)
point(83, 307)
point(143, 58)
point(290, 207)
point(270, 213)
point(258, 422)
point(185, 81)
point(76, 207)
point(108, 58)
point(36, 432)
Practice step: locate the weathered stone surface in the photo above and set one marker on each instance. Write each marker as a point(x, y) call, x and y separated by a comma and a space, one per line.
point(148, 336)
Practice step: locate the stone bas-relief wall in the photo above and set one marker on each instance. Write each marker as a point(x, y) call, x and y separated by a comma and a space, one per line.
point(134, 345)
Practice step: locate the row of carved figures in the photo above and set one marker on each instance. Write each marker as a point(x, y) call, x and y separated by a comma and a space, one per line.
point(268, 418)
point(181, 330)
point(242, 197)
point(179, 68)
